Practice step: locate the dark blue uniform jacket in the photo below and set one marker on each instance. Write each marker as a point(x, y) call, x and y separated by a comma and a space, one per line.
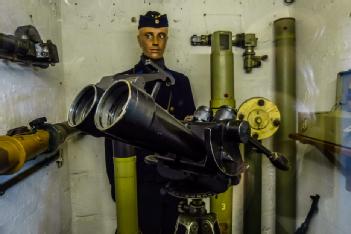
point(157, 213)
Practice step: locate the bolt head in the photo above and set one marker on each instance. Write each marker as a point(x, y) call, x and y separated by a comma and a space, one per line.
point(261, 102)
point(276, 122)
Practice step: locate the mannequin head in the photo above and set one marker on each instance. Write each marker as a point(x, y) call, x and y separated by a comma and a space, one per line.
point(153, 34)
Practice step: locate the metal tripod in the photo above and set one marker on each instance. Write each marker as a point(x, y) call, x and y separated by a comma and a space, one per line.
point(194, 219)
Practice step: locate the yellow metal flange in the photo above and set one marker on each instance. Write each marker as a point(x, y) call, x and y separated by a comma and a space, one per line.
point(262, 115)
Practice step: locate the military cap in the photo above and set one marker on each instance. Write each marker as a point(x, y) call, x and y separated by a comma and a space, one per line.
point(153, 19)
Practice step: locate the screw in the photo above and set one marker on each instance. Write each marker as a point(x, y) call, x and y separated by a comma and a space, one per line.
point(264, 57)
point(261, 102)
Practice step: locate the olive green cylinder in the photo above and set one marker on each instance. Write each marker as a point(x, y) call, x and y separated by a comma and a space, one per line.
point(126, 195)
point(252, 191)
point(222, 206)
point(285, 91)
point(222, 70)
point(222, 93)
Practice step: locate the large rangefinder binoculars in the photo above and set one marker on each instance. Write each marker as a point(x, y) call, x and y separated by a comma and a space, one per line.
point(204, 151)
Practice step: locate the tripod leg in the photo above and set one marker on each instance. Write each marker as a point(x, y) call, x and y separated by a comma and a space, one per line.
point(209, 224)
point(186, 225)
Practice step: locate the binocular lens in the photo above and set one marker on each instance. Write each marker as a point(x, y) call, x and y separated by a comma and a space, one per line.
point(112, 105)
point(82, 105)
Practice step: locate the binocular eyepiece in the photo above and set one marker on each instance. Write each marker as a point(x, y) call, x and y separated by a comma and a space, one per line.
point(82, 110)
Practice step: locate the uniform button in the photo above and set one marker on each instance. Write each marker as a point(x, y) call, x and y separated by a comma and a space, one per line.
point(171, 109)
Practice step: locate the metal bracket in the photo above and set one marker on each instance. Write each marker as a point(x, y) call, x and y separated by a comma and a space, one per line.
point(60, 160)
point(139, 80)
point(168, 78)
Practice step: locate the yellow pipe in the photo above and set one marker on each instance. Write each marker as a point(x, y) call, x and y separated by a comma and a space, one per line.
point(126, 195)
point(16, 150)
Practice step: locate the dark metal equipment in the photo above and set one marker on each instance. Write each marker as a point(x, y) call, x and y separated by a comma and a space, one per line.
point(197, 157)
point(185, 151)
point(194, 219)
point(312, 212)
point(82, 110)
point(27, 47)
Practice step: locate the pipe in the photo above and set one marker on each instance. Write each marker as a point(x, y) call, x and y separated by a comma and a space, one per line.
point(252, 191)
point(222, 70)
point(222, 93)
point(126, 199)
point(17, 149)
point(285, 90)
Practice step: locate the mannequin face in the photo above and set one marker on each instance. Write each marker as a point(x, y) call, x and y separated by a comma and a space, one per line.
point(153, 41)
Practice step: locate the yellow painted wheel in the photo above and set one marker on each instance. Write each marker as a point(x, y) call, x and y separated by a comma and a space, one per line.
point(262, 115)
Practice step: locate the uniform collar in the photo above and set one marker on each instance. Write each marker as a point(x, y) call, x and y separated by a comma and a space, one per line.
point(141, 68)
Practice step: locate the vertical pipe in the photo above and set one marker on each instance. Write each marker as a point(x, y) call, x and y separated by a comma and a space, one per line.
point(222, 70)
point(222, 93)
point(285, 91)
point(126, 195)
point(252, 191)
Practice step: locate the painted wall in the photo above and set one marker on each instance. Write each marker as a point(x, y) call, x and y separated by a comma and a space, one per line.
point(99, 38)
point(41, 203)
point(323, 50)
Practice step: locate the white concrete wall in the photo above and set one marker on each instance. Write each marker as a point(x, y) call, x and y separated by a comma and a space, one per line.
point(41, 203)
point(323, 50)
